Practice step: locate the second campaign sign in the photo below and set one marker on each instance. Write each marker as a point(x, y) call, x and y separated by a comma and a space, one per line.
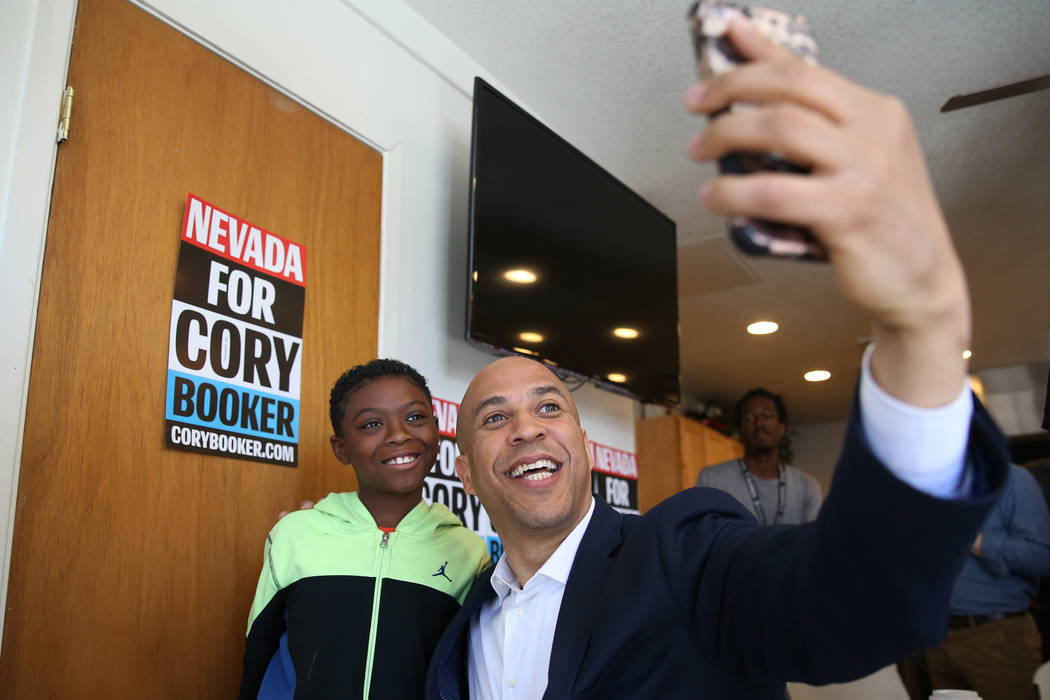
point(235, 342)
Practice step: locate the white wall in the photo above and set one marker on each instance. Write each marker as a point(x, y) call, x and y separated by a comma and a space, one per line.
point(1015, 396)
point(372, 66)
point(1018, 412)
point(34, 53)
point(816, 450)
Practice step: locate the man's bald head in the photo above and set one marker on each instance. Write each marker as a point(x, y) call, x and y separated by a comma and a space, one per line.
point(484, 390)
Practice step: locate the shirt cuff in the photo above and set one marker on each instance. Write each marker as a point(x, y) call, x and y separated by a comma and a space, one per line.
point(924, 447)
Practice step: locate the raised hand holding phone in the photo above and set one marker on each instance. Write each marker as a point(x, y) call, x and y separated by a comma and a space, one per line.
point(709, 21)
point(868, 199)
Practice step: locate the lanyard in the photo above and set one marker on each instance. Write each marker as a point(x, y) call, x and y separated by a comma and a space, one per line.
point(753, 492)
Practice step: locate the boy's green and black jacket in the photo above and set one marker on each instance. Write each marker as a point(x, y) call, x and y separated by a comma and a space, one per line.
point(346, 610)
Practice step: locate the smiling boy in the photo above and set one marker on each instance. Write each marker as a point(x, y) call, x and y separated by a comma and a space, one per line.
point(355, 592)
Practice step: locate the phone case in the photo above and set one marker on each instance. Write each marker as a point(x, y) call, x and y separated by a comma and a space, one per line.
point(709, 21)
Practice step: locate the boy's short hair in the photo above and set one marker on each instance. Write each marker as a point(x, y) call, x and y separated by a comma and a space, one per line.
point(355, 377)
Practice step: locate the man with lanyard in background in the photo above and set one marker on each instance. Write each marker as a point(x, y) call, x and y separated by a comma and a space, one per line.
point(775, 492)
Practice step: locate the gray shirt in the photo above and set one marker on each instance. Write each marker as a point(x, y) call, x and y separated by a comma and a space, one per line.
point(802, 492)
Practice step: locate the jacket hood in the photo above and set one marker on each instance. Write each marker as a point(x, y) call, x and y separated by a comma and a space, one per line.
point(423, 517)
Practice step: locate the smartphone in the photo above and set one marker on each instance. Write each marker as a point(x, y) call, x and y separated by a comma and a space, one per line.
point(709, 21)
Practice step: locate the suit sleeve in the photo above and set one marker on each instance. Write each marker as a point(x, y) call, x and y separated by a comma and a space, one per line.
point(865, 584)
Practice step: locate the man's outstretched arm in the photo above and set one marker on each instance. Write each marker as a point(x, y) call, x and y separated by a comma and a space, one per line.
point(869, 581)
point(870, 201)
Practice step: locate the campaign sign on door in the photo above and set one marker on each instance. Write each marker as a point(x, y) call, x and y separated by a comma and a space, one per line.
point(235, 342)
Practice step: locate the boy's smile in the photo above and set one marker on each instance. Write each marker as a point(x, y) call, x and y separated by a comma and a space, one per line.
point(402, 461)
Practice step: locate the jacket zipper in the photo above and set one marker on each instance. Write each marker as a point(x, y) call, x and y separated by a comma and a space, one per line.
point(379, 571)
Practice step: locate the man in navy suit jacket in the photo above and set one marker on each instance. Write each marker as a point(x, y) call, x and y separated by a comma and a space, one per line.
point(694, 599)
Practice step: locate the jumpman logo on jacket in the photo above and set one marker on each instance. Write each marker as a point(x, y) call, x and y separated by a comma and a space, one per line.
point(441, 572)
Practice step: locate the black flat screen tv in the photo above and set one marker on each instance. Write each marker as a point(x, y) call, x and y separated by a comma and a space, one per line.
point(567, 264)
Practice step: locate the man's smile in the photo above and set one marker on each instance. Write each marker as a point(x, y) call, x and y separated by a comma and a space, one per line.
point(534, 469)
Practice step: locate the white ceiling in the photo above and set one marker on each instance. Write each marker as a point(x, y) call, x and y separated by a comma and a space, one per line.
point(609, 76)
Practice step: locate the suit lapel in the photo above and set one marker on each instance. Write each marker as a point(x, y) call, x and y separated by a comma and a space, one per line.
point(589, 573)
point(452, 681)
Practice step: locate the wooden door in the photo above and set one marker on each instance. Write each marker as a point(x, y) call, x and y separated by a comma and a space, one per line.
point(661, 459)
point(695, 451)
point(134, 565)
point(717, 447)
point(705, 446)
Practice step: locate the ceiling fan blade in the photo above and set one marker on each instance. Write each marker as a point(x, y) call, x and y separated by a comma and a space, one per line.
point(999, 92)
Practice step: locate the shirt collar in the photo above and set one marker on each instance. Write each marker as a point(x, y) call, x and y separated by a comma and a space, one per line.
point(556, 568)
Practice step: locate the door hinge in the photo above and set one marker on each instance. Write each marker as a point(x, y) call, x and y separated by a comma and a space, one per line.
point(66, 114)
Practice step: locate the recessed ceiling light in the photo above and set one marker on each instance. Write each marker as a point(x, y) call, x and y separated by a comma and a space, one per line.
point(616, 377)
point(531, 337)
point(967, 354)
point(817, 375)
point(475, 275)
point(627, 333)
point(525, 351)
point(762, 328)
point(521, 276)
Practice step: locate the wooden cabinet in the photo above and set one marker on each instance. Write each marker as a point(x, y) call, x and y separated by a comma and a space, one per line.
point(671, 452)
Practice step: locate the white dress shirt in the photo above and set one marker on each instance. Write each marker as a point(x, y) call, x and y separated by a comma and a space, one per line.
point(511, 636)
point(923, 447)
